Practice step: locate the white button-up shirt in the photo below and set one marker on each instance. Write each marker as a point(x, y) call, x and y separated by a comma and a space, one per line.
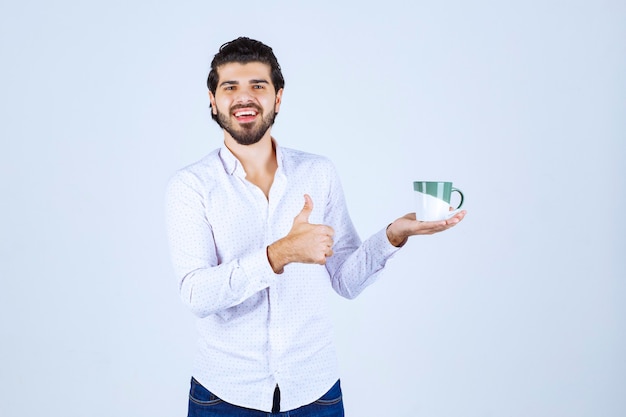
point(257, 328)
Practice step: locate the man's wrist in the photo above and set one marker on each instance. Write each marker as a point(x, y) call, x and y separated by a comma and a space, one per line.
point(396, 240)
point(275, 259)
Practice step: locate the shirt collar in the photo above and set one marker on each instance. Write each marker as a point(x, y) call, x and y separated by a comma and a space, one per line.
point(230, 162)
point(233, 166)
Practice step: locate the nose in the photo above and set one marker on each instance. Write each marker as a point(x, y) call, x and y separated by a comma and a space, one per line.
point(243, 96)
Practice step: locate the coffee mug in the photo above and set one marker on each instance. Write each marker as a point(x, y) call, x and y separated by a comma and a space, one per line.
point(433, 200)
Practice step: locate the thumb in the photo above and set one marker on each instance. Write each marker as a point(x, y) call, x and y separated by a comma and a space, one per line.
point(303, 216)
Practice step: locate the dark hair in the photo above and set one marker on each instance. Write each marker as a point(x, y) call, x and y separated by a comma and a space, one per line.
point(244, 50)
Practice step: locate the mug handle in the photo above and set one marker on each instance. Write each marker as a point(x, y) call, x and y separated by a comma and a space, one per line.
point(461, 194)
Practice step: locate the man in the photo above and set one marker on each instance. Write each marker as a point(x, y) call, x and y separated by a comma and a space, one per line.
point(259, 235)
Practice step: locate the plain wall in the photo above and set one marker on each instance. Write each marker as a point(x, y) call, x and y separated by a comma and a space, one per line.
point(518, 311)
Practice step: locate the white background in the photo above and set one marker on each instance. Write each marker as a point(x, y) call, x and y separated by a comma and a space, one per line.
point(518, 311)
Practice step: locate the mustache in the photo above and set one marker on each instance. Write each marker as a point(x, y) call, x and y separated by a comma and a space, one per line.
point(246, 106)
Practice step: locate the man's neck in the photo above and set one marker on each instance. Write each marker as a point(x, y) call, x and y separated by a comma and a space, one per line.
point(254, 158)
point(258, 160)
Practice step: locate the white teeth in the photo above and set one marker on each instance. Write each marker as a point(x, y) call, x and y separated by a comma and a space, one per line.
point(245, 113)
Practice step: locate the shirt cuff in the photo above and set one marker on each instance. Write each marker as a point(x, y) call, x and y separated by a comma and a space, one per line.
point(379, 243)
point(257, 265)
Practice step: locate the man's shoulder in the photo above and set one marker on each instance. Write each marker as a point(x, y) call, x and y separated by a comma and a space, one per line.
point(297, 157)
point(208, 161)
point(199, 171)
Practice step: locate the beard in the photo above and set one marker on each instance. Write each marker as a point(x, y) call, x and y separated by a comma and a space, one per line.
point(248, 133)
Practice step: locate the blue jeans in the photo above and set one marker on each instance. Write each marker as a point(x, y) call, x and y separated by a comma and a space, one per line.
point(203, 403)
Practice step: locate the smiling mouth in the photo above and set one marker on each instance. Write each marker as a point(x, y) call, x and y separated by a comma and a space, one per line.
point(245, 115)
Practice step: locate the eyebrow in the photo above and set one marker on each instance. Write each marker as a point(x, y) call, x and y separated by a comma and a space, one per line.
point(253, 81)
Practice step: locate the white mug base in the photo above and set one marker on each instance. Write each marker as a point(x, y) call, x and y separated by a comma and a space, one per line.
point(429, 208)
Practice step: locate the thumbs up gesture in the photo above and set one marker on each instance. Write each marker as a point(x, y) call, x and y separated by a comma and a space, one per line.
point(305, 243)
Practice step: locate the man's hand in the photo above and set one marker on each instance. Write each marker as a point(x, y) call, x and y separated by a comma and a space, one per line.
point(400, 230)
point(305, 243)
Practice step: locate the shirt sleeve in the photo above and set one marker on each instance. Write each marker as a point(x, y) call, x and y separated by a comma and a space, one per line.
point(207, 286)
point(354, 264)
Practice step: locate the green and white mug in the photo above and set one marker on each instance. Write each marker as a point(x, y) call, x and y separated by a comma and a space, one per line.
point(432, 200)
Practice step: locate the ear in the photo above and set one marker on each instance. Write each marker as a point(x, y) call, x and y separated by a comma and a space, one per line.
point(279, 99)
point(213, 106)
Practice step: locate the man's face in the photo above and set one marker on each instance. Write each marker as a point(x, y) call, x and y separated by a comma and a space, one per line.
point(245, 102)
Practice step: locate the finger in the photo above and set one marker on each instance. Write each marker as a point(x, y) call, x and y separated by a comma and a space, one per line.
point(453, 221)
point(303, 216)
point(431, 224)
point(457, 218)
point(430, 227)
